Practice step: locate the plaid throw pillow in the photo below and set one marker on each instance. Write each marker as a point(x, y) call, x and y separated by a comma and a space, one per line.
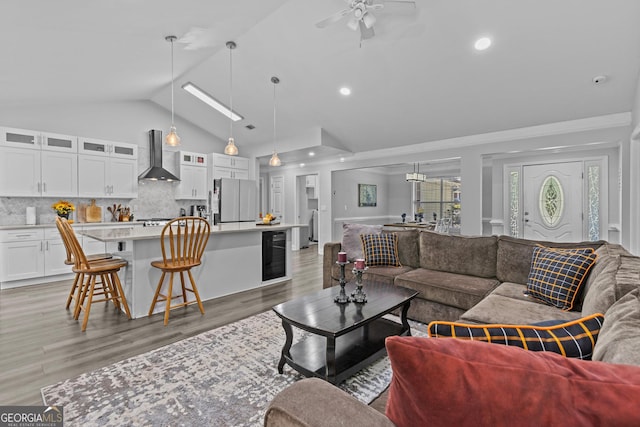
point(557, 274)
point(380, 249)
point(572, 339)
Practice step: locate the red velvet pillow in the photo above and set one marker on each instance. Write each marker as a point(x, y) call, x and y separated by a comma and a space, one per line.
point(471, 383)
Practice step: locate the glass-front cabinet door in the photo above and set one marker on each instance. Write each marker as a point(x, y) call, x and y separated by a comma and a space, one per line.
point(19, 138)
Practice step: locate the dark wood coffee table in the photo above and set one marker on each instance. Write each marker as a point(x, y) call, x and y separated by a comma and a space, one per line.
point(346, 337)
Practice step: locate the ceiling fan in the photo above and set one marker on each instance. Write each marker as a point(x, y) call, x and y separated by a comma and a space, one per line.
point(362, 17)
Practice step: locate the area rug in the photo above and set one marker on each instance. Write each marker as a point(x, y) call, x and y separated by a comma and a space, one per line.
point(223, 377)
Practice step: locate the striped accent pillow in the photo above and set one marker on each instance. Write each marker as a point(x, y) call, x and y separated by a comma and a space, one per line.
point(572, 339)
point(557, 274)
point(380, 249)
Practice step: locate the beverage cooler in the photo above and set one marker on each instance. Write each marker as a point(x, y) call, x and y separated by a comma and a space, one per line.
point(273, 254)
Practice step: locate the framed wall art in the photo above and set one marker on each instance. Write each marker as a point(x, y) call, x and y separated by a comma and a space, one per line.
point(367, 195)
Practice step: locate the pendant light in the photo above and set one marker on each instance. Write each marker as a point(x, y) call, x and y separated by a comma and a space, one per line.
point(275, 160)
point(172, 139)
point(231, 148)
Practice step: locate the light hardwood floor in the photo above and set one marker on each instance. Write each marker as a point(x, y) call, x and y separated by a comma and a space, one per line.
point(41, 344)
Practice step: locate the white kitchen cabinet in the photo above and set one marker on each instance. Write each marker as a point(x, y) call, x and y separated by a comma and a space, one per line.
point(107, 169)
point(37, 164)
point(224, 166)
point(20, 138)
point(19, 172)
point(233, 162)
point(230, 173)
point(59, 174)
point(21, 254)
point(124, 178)
point(31, 253)
point(193, 176)
point(55, 254)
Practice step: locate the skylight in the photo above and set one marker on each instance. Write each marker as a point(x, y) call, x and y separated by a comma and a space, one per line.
point(211, 101)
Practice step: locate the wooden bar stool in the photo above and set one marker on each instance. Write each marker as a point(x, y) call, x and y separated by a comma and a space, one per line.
point(74, 292)
point(187, 238)
point(107, 270)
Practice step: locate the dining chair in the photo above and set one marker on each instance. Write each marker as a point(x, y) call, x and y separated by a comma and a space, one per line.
point(182, 242)
point(443, 225)
point(75, 290)
point(108, 286)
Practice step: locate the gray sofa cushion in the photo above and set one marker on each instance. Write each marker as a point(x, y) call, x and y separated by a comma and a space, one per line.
point(378, 273)
point(614, 281)
point(351, 243)
point(384, 274)
point(408, 248)
point(468, 255)
point(451, 289)
point(514, 311)
point(514, 256)
point(600, 293)
point(619, 340)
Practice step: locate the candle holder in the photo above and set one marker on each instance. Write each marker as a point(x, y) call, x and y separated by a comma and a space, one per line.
point(358, 295)
point(342, 297)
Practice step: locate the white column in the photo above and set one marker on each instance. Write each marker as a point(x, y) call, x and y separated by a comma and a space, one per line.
point(634, 177)
point(471, 176)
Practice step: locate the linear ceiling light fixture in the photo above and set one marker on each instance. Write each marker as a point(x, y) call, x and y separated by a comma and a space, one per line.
point(172, 139)
point(210, 101)
point(274, 160)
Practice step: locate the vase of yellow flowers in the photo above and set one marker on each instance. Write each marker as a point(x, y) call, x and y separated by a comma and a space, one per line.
point(63, 208)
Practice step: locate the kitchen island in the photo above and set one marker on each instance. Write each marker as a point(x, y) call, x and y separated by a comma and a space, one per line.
point(232, 261)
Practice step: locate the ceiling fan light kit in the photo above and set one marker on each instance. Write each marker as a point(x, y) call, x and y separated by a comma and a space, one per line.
point(361, 15)
point(172, 139)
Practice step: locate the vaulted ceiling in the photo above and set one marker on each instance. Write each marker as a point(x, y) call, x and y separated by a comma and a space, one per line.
point(418, 79)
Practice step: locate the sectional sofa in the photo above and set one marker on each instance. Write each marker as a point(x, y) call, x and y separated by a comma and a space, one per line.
point(482, 280)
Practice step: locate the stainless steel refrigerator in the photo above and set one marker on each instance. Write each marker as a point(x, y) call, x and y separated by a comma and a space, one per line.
point(235, 200)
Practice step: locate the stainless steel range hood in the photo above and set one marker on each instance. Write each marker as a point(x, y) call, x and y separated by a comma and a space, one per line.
point(156, 172)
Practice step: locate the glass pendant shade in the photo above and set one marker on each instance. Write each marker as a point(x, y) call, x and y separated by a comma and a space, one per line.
point(172, 139)
point(231, 149)
point(275, 160)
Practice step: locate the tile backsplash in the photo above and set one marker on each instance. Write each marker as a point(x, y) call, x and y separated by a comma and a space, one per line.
point(155, 199)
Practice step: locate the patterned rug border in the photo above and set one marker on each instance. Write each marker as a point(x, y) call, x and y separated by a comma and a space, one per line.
point(228, 378)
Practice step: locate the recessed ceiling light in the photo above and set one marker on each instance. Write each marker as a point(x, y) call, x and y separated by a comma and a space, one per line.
point(482, 43)
point(345, 91)
point(342, 159)
point(311, 154)
point(301, 165)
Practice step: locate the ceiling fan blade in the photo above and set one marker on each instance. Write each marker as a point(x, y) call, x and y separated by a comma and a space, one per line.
point(366, 33)
point(333, 18)
point(394, 3)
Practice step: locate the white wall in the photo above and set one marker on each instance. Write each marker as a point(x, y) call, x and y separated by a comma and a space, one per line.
point(345, 199)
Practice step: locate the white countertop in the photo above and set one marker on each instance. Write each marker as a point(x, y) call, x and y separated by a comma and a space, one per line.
point(75, 224)
point(144, 233)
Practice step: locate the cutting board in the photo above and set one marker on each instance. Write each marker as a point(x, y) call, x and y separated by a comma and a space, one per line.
point(82, 212)
point(93, 212)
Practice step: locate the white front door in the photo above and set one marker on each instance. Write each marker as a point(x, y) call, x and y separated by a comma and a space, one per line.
point(277, 196)
point(552, 197)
